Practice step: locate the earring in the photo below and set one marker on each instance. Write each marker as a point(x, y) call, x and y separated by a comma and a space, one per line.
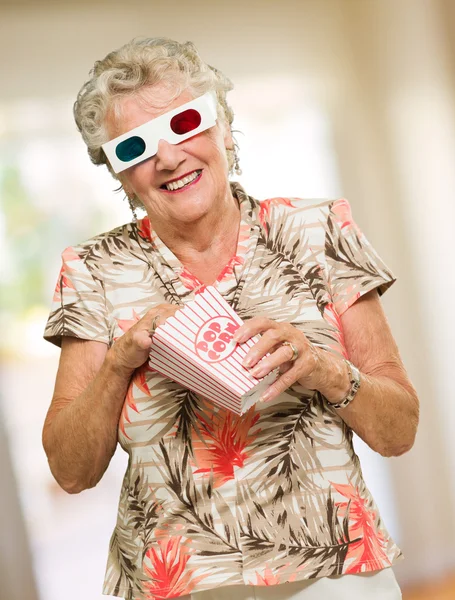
point(237, 169)
point(132, 207)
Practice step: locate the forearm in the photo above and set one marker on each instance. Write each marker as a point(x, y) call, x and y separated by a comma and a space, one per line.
point(385, 410)
point(81, 436)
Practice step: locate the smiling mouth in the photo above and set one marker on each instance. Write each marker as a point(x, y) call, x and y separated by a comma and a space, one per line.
point(183, 183)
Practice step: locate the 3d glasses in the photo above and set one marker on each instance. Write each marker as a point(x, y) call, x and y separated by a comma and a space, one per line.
point(174, 126)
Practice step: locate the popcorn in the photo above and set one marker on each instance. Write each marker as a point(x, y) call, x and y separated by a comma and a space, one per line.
point(195, 348)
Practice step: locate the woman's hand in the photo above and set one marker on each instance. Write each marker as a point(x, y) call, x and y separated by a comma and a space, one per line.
point(132, 349)
point(313, 368)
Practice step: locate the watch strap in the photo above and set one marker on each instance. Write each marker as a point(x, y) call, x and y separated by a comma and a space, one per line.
point(354, 381)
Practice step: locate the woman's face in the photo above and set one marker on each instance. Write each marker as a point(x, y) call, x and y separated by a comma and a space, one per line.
point(202, 156)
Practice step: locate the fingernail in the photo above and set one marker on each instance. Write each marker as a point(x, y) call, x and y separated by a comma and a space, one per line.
point(265, 396)
point(247, 362)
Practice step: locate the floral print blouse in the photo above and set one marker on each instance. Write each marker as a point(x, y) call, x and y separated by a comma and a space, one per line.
point(209, 498)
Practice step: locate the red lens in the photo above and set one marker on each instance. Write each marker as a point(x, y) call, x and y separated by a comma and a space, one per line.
point(186, 121)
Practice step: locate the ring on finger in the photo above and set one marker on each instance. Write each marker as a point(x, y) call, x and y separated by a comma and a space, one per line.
point(295, 352)
point(154, 325)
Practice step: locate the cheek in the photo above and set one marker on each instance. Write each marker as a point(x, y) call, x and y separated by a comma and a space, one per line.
point(137, 177)
point(218, 150)
point(215, 136)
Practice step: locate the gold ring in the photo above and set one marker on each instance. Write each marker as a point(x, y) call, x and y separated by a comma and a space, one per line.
point(295, 352)
point(153, 326)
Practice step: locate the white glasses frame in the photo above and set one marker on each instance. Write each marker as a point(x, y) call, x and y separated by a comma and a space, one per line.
point(159, 129)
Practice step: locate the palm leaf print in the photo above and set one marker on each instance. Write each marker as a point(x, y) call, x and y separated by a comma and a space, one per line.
point(123, 574)
point(317, 283)
point(157, 407)
point(106, 253)
point(167, 571)
point(320, 547)
point(370, 544)
point(291, 431)
point(291, 237)
point(74, 321)
point(321, 542)
point(223, 446)
point(196, 507)
point(265, 212)
point(353, 264)
point(345, 251)
point(143, 507)
point(115, 244)
point(188, 416)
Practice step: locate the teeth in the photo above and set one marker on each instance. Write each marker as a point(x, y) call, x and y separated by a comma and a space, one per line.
point(176, 185)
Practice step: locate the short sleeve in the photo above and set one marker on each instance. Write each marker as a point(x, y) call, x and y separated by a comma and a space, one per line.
point(79, 307)
point(354, 267)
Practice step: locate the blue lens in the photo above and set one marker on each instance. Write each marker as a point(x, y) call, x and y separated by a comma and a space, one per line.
point(130, 149)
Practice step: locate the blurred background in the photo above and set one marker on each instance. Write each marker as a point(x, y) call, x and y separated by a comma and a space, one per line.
point(352, 98)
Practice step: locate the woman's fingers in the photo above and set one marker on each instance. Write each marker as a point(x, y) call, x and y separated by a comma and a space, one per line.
point(271, 340)
point(132, 349)
point(157, 315)
point(252, 327)
point(154, 318)
point(281, 356)
point(281, 384)
point(142, 339)
point(271, 352)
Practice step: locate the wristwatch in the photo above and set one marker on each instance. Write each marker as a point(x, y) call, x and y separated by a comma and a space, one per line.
point(354, 380)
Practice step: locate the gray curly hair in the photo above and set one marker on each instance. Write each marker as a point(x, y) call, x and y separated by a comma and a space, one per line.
point(140, 63)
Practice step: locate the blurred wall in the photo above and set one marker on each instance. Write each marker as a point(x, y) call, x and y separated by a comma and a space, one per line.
point(384, 71)
point(16, 579)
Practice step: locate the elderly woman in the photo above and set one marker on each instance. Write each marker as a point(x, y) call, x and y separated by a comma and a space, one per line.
point(271, 504)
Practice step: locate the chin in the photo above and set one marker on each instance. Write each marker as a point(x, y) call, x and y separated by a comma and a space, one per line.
point(191, 209)
point(189, 217)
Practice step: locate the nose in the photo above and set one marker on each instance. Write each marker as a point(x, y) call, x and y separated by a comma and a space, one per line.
point(168, 156)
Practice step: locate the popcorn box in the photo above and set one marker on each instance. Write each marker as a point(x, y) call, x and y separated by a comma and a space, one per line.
point(195, 348)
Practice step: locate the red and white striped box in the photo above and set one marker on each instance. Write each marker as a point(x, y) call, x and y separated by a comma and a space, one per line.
point(195, 348)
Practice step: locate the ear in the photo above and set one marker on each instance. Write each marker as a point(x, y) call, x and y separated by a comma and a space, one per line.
point(225, 130)
point(228, 141)
point(126, 188)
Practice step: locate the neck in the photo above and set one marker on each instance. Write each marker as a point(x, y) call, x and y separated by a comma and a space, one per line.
point(214, 233)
